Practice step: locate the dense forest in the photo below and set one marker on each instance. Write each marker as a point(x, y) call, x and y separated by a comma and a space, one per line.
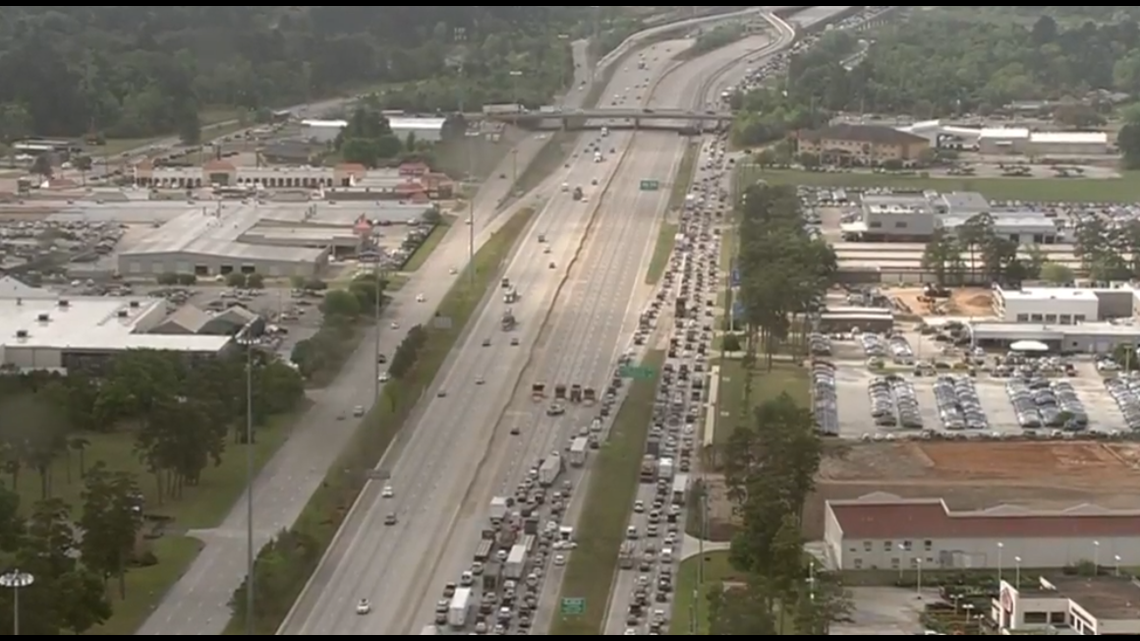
point(133, 71)
point(931, 67)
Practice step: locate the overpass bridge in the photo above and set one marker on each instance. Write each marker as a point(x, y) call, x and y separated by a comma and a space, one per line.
point(614, 118)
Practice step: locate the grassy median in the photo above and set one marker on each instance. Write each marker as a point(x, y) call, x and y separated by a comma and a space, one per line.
point(283, 570)
point(613, 484)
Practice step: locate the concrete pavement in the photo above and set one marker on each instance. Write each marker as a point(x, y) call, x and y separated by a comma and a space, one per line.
point(692, 546)
point(436, 470)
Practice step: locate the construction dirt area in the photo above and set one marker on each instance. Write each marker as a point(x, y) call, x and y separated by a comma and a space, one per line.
point(972, 302)
point(968, 475)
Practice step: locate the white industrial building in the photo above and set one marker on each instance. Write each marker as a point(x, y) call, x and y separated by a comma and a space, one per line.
point(322, 131)
point(426, 129)
point(1011, 140)
point(1070, 143)
point(914, 217)
point(42, 330)
point(1050, 305)
point(211, 240)
point(1069, 605)
point(884, 532)
point(1086, 338)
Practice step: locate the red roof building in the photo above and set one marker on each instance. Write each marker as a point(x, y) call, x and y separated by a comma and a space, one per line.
point(882, 531)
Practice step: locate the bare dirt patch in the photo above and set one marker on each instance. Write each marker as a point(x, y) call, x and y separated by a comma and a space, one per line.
point(971, 475)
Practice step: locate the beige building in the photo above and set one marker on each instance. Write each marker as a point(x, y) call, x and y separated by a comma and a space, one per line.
point(226, 174)
point(864, 145)
point(1069, 605)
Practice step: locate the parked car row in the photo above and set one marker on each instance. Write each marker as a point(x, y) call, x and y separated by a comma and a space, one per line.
point(1038, 403)
point(894, 403)
point(819, 344)
point(959, 406)
point(1126, 392)
point(824, 400)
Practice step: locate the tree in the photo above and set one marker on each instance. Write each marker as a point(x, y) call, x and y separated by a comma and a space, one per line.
point(255, 281)
point(50, 543)
point(341, 303)
point(1057, 274)
point(111, 520)
point(236, 280)
point(43, 166)
point(943, 257)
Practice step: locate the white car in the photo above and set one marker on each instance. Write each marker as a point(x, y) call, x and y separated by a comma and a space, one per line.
point(420, 298)
point(559, 560)
point(387, 492)
point(453, 271)
point(480, 380)
point(384, 377)
point(363, 606)
point(395, 325)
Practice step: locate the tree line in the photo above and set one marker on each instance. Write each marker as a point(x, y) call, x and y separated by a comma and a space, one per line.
point(179, 414)
point(932, 67)
point(320, 357)
point(131, 72)
point(784, 271)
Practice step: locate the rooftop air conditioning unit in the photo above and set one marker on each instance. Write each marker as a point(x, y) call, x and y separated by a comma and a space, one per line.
point(122, 313)
point(21, 333)
point(43, 318)
point(134, 304)
point(63, 302)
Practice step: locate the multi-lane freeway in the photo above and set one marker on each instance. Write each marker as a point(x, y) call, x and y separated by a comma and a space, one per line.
point(450, 463)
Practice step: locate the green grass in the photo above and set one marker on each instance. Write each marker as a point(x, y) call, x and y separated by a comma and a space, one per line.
point(329, 505)
point(731, 410)
point(548, 159)
point(662, 250)
point(147, 586)
point(684, 178)
point(424, 251)
point(716, 571)
point(613, 484)
point(1117, 190)
point(201, 506)
point(212, 127)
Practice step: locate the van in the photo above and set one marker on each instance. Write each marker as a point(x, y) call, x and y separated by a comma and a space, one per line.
point(667, 555)
point(631, 532)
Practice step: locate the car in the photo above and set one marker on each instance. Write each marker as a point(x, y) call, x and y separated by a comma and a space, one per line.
point(384, 377)
point(559, 560)
point(546, 250)
point(363, 606)
point(552, 265)
point(453, 271)
point(380, 358)
point(594, 181)
point(387, 492)
point(390, 519)
point(394, 325)
point(479, 380)
point(420, 298)
point(514, 430)
point(441, 393)
point(358, 411)
point(556, 409)
point(514, 342)
point(341, 416)
point(486, 342)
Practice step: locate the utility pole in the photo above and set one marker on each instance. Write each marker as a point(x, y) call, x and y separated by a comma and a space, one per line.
point(461, 36)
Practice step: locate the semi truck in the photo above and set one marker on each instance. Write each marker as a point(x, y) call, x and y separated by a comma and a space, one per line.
point(589, 396)
point(680, 488)
point(665, 468)
point(511, 296)
point(550, 469)
point(457, 611)
point(516, 562)
point(499, 109)
point(499, 509)
point(578, 451)
point(627, 555)
point(648, 469)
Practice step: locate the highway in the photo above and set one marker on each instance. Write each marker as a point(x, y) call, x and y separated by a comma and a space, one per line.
point(438, 465)
point(199, 602)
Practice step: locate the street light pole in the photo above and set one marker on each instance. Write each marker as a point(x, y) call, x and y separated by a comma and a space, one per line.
point(249, 553)
point(16, 581)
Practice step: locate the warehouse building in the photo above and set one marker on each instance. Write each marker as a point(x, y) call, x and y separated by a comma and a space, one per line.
point(1069, 605)
point(210, 241)
point(322, 131)
point(885, 532)
point(1003, 140)
point(1064, 305)
point(423, 129)
point(50, 332)
point(914, 217)
point(1068, 143)
point(1086, 338)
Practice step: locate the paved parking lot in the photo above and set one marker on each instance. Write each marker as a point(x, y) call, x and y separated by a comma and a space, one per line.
point(886, 611)
point(852, 379)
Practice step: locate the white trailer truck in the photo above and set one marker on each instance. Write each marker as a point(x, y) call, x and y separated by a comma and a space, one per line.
point(499, 509)
point(578, 448)
point(516, 562)
point(665, 468)
point(550, 469)
point(457, 611)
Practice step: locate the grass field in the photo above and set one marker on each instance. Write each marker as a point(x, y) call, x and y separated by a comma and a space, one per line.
point(685, 172)
point(1121, 190)
point(784, 377)
point(201, 506)
point(613, 484)
point(662, 250)
point(331, 502)
point(147, 586)
point(424, 251)
point(687, 619)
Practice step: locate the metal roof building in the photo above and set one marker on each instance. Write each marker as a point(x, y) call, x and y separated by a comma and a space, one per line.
point(209, 240)
point(429, 129)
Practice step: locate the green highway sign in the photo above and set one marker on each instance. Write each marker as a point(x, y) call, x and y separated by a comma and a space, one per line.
point(637, 372)
point(650, 185)
point(573, 606)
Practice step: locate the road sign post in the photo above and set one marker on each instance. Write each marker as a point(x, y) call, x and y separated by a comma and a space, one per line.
point(650, 185)
point(573, 607)
point(637, 372)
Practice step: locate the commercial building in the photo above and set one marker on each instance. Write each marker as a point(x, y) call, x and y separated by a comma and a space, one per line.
point(1069, 605)
point(1064, 305)
point(884, 532)
point(226, 174)
point(1086, 338)
point(424, 129)
point(210, 240)
point(1068, 143)
point(862, 145)
point(913, 217)
point(322, 131)
point(40, 330)
point(1003, 140)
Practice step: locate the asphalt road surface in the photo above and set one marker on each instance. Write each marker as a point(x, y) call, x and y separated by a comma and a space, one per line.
point(199, 602)
point(434, 478)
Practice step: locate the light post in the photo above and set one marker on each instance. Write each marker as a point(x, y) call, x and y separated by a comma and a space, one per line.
point(1000, 547)
point(918, 586)
point(1017, 572)
point(1096, 558)
point(515, 74)
point(249, 551)
point(902, 566)
point(1116, 565)
point(16, 581)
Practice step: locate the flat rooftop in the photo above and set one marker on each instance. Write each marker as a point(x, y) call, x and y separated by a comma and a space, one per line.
point(1038, 331)
point(92, 323)
point(1105, 597)
point(342, 213)
point(1047, 293)
point(215, 229)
